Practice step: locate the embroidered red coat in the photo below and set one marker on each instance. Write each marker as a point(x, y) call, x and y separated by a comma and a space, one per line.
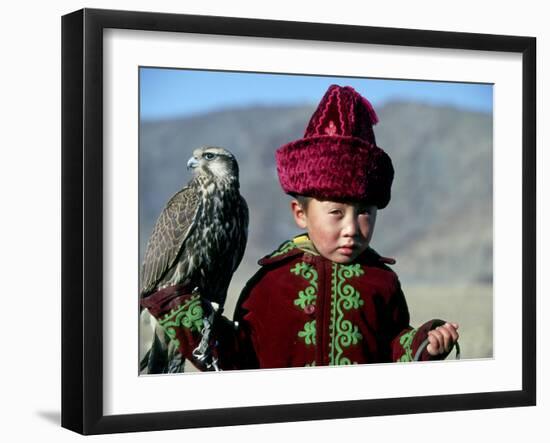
point(301, 309)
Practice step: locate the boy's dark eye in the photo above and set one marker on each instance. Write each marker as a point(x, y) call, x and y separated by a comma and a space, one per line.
point(366, 210)
point(209, 156)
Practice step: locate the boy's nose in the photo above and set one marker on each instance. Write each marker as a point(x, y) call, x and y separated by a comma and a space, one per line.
point(351, 227)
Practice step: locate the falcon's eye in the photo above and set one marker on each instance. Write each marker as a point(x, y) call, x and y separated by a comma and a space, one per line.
point(209, 156)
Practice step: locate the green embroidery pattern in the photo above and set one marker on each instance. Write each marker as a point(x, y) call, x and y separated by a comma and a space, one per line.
point(344, 298)
point(189, 315)
point(285, 247)
point(308, 295)
point(308, 333)
point(347, 361)
point(406, 341)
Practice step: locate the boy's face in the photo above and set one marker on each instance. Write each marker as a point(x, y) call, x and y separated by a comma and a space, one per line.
point(340, 231)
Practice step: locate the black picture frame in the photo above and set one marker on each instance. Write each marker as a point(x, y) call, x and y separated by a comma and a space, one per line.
point(82, 219)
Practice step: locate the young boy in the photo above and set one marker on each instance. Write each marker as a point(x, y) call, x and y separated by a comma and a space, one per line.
point(324, 297)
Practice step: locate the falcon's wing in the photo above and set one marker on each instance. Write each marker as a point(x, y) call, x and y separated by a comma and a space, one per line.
point(241, 243)
point(170, 232)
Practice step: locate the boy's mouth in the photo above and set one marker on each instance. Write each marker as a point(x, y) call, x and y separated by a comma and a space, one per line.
point(347, 249)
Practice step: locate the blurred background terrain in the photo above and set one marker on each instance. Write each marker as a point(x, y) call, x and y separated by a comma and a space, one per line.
point(438, 226)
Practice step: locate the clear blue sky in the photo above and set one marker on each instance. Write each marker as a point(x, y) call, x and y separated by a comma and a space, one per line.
point(168, 93)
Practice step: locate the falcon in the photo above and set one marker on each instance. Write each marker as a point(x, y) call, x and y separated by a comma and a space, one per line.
point(200, 237)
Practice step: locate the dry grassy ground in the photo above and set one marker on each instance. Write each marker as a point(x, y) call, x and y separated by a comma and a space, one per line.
point(470, 306)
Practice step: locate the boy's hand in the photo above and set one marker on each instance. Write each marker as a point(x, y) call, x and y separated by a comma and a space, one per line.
point(442, 339)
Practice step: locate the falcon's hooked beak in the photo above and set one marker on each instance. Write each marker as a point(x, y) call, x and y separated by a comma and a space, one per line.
point(192, 163)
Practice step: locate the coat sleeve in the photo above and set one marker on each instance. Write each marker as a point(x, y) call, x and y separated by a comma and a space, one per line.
point(408, 343)
point(181, 315)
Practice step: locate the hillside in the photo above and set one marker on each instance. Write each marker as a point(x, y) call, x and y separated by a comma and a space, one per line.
point(438, 225)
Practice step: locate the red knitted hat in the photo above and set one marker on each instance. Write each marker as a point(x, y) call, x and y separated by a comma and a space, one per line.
point(337, 159)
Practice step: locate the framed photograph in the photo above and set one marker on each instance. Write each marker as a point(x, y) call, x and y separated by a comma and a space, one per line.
point(455, 112)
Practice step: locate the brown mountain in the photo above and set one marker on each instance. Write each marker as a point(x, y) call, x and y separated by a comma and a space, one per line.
point(438, 225)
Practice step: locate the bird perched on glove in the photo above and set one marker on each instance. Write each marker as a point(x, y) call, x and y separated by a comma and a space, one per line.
point(200, 237)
